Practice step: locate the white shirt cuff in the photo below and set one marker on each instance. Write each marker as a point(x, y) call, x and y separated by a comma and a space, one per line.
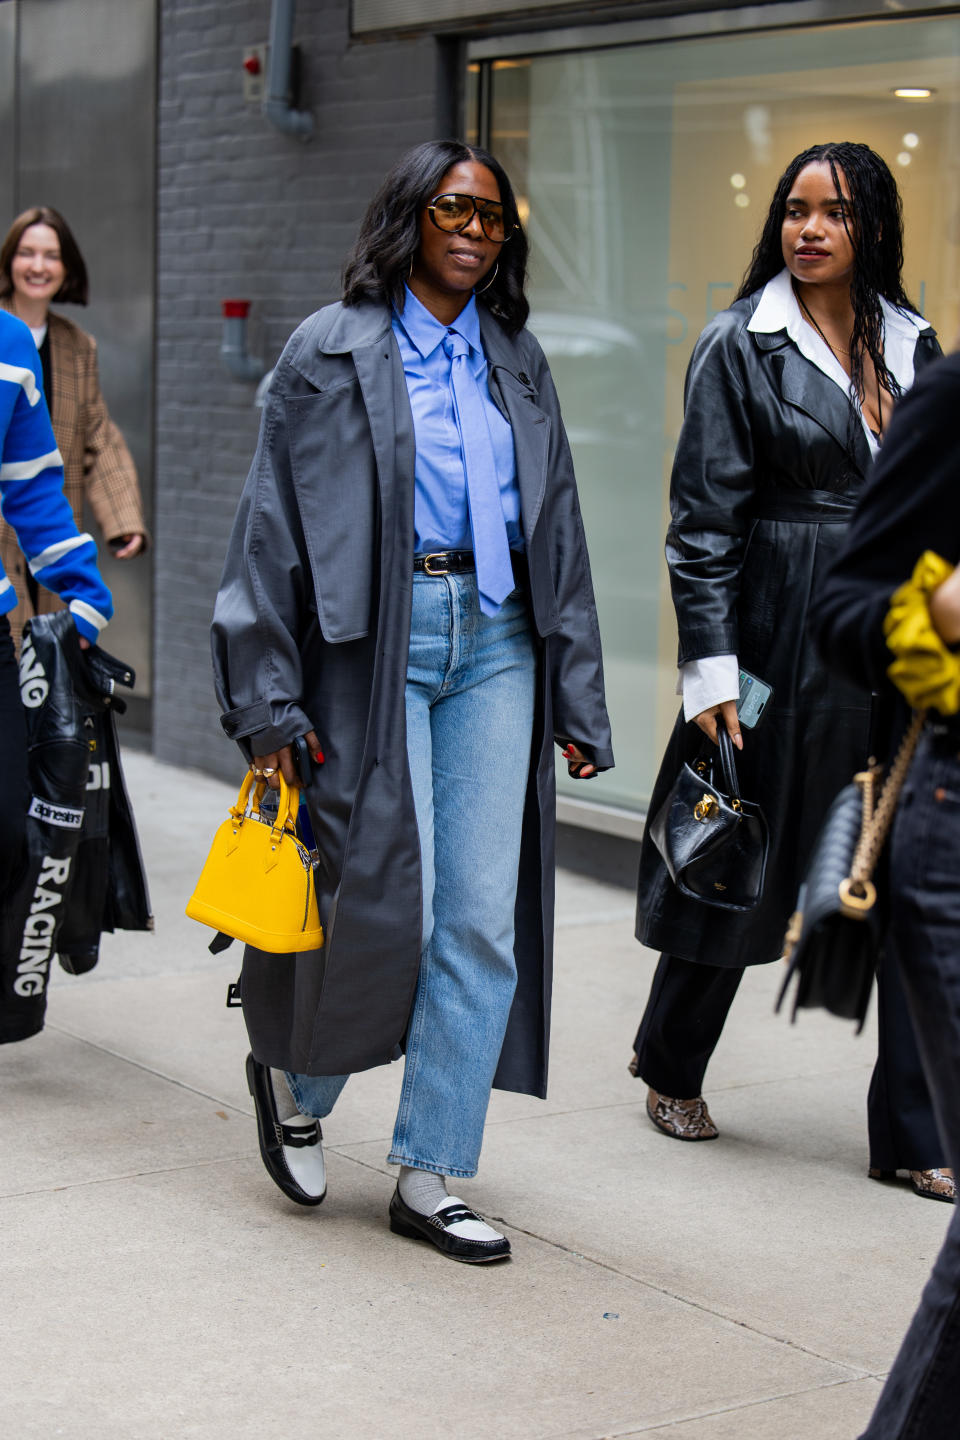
point(707, 682)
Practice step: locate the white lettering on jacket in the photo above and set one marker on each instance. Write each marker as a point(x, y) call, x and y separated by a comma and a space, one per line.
point(37, 944)
point(34, 687)
point(99, 776)
point(62, 815)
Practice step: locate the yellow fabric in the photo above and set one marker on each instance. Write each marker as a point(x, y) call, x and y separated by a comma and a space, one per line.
point(923, 669)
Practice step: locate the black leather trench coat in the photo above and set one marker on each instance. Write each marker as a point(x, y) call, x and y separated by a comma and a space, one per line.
point(766, 475)
point(311, 630)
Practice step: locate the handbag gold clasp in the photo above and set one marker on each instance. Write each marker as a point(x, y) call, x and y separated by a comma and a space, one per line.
point(705, 809)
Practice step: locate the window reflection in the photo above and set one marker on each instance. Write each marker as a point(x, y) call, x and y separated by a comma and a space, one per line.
point(646, 172)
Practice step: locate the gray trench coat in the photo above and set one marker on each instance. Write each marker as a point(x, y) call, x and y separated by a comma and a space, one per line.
point(311, 631)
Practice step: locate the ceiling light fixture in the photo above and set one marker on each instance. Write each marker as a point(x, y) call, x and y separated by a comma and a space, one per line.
point(913, 92)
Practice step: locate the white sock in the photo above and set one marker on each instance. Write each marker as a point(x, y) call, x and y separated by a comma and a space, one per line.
point(285, 1103)
point(422, 1190)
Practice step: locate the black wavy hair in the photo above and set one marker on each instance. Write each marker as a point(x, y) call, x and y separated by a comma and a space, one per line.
point(379, 262)
point(875, 229)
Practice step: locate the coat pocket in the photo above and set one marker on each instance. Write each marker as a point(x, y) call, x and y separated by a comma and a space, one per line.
point(335, 480)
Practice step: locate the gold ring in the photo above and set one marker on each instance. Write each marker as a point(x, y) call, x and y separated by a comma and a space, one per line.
point(257, 773)
point(268, 771)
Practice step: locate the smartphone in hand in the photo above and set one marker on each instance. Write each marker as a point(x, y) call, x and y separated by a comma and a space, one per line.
point(302, 759)
point(755, 696)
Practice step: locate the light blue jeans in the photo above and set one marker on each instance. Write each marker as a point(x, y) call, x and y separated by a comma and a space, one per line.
point(469, 700)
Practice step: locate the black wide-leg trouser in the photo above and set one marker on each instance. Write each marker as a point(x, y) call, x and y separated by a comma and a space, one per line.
point(684, 1019)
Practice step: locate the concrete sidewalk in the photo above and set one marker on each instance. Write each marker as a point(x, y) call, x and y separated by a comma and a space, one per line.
point(154, 1284)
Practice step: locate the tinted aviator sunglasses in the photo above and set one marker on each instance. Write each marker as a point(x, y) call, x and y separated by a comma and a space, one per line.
point(453, 213)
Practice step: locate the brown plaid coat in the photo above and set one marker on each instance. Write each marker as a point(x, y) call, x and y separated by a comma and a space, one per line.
point(97, 466)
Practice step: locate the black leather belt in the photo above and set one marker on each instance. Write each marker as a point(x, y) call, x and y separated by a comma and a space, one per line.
point(445, 562)
point(462, 562)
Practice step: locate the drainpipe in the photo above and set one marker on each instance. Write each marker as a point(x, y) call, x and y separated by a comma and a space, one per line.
point(277, 104)
point(233, 345)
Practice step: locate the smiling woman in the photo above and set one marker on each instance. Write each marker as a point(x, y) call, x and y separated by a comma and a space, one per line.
point(41, 264)
point(462, 243)
point(407, 587)
point(37, 269)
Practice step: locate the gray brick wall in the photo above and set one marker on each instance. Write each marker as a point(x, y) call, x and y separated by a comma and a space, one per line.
point(246, 212)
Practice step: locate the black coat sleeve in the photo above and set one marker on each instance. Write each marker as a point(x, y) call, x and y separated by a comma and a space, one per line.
point(711, 493)
point(910, 504)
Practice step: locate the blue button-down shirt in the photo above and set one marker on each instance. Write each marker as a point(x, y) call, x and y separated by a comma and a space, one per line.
point(441, 519)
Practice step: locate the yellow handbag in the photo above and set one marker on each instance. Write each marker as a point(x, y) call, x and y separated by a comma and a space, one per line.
point(257, 882)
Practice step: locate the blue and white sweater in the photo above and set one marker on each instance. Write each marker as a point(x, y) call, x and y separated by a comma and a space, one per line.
point(31, 490)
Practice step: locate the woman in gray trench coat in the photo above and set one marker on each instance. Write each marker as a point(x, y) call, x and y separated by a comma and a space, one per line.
point(771, 458)
point(407, 586)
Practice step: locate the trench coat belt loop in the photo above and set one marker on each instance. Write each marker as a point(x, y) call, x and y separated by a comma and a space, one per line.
point(805, 507)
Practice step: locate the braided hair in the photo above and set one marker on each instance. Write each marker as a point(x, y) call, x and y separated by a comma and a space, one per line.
point(874, 226)
point(380, 260)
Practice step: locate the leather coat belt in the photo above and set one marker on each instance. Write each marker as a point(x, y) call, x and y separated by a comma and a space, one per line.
point(805, 507)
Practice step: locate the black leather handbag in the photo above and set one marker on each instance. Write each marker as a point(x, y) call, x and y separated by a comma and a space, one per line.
point(713, 842)
point(833, 941)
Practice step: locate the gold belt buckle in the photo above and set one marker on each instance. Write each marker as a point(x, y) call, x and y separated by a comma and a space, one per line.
point(427, 566)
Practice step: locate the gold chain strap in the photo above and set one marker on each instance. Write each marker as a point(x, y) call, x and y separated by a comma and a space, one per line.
point(857, 891)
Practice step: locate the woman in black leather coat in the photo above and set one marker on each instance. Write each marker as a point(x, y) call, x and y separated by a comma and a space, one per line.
point(770, 461)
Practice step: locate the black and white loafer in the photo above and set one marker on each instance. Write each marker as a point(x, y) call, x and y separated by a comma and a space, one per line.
point(453, 1228)
point(292, 1150)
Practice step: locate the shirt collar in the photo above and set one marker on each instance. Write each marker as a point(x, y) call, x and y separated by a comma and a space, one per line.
point(778, 309)
point(425, 332)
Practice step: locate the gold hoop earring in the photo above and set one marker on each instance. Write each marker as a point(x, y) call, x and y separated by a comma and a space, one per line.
point(496, 267)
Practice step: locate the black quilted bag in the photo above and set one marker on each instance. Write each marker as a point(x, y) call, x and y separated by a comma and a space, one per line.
point(833, 941)
point(713, 842)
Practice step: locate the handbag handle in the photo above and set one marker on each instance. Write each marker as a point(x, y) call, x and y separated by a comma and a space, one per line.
point(239, 810)
point(728, 762)
point(287, 807)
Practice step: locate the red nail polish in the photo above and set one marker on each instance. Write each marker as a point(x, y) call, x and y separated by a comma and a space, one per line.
point(319, 756)
point(568, 753)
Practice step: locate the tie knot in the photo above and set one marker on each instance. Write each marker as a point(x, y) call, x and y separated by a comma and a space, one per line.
point(455, 345)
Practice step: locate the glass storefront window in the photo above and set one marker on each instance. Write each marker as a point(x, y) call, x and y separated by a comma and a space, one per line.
point(644, 173)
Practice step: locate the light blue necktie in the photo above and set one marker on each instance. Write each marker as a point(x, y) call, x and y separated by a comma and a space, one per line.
point(490, 547)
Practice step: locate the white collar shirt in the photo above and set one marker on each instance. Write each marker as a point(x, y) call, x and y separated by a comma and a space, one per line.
point(779, 309)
